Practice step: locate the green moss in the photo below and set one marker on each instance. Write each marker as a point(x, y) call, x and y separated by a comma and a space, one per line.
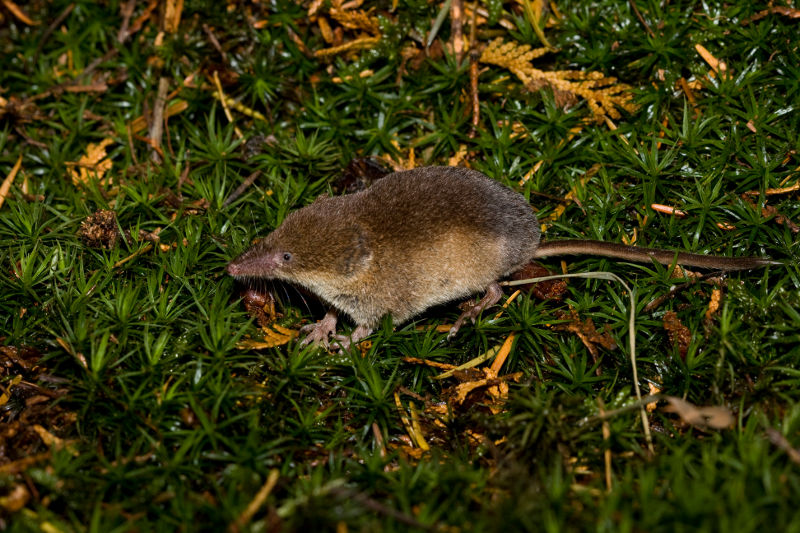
point(173, 428)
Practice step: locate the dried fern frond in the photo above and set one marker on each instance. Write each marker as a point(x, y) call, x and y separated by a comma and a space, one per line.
point(357, 44)
point(356, 20)
point(604, 95)
point(511, 55)
point(349, 18)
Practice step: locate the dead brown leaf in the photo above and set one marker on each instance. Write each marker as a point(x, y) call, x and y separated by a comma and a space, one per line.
point(362, 25)
point(553, 289)
point(679, 335)
point(668, 209)
point(18, 358)
point(714, 417)
point(31, 420)
point(14, 110)
point(769, 211)
point(713, 306)
point(586, 332)
point(789, 12)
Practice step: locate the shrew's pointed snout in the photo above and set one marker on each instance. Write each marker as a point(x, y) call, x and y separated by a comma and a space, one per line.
point(233, 269)
point(244, 265)
point(253, 263)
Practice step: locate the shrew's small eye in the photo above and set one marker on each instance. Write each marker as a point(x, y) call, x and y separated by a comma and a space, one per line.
point(287, 257)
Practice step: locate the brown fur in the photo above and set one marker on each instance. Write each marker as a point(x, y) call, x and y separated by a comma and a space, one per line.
point(416, 239)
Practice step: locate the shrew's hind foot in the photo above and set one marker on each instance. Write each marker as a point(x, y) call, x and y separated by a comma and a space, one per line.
point(345, 341)
point(492, 296)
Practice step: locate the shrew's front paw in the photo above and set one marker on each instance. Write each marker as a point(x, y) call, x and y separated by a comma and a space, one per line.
point(320, 332)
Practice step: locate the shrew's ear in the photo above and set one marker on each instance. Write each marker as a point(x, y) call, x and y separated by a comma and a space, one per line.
point(358, 252)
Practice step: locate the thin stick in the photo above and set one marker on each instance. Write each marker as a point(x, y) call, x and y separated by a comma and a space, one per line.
point(376, 432)
point(456, 29)
point(244, 518)
point(589, 420)
point(502, 355)
point(215, 42)
point(241, 188)
point(224, 102)
point(130, 144)
point(50, 29)
point(474, 57)
point(777, 438)
point(127, 13)
point(157, 125)
point(6, 186)
point(137, 253)
point(641, 18)
point(472, 363)
point(473, 89)
point(606, 438)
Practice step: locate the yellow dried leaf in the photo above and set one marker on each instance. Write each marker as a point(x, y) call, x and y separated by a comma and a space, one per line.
point(6, 394)
point(411, 424)
point(172, 15)
point(95, 164)
point(47, 437)
point(285, 331)
point(274, 335)
point(418, 434)
point(139, 124)
point(56, 442)
point(16, 499)
point(501, 356)
point(19, 13)
point(459, 156)
point(314, 7)
point(715, 64)
point(325, 29)
point(653, 391)
point(498, 386)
